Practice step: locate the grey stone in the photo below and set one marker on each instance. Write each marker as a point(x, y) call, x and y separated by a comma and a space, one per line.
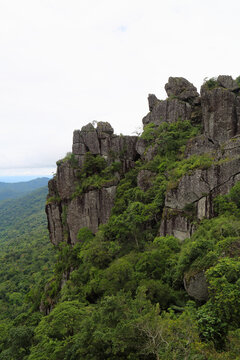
point(152, 101)
point(90, 209)
point(76, 136)
point(227, 82)
point(169, 111)
point(79, 149)
point(65, 180)
point(200, 145)
point(104, 129)
point(175, 223)
point(151, 152)
point(89, 138)
point(87, 128)
point(145, 179)
point(55, 226)
point(181, 89)
point(141, 145)
point(199, 188)
point(221, 114)
point(196, 286)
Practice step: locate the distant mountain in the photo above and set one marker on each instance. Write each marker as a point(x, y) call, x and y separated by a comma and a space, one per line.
point(16, 190)
point(17, 214)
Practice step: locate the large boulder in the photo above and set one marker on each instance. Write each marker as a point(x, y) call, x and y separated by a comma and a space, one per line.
point(227, 82)
point(181, 88)
point(196, 286)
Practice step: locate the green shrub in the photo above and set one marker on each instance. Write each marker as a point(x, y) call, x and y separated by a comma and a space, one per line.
point(211, 83)
point(238, 80)
point(70, 157)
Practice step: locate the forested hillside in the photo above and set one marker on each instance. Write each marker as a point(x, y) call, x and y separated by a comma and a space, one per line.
point(26, 258)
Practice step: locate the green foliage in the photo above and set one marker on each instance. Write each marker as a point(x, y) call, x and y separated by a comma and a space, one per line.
point(187, 166)
point(26, 254)
point(221, 313)
point(238, 80)
point(85, 234)
point(213, 239)
point(53, 199)
point(211, 83)
point(215, 249)
point(136, 214)
point(230, 203)
point(70, 158)
point(26, 263)
point(95, 173)
point(93, 164)
point(149, 133)
point(170, 137)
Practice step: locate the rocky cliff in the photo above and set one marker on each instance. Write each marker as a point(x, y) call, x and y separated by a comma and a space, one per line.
point(75, 202)
point(68, 208)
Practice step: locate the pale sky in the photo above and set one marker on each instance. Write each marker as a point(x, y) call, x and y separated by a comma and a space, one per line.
point(64, 63)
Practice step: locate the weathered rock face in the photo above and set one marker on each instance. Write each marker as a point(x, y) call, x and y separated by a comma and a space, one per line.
point(221, 113)
point(197, 191)
point(183, 103)
point(169, 110)
point(227, 82)
point(90, 210)
point(221, 141)
point(144, 179)
point(68, 212)
point(181, 89)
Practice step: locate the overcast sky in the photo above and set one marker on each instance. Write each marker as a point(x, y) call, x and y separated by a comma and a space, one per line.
point(64, 63)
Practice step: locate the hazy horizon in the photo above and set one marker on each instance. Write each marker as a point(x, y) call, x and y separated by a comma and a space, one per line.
point(16, 179)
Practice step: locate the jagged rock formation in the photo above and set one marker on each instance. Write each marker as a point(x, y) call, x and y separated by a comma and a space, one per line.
point(217, 109)
point(68, 212)
point(220, 140)
point(183, 102)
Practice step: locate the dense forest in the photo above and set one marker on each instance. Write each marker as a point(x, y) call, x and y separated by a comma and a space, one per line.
point(119, 293)
point(26, 259)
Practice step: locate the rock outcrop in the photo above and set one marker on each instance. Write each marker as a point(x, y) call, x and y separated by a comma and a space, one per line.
point(196, 286)
point(182, 103)
point(68, 211)
point(182, 89)
point(218, 109)
point(220, 141)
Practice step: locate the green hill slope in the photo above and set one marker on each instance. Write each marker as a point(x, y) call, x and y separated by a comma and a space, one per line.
point(25, 251)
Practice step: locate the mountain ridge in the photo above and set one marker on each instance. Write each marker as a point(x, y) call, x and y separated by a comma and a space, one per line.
point(14, 190)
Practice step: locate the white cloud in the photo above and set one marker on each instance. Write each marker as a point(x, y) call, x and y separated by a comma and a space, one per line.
point(65, 63)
